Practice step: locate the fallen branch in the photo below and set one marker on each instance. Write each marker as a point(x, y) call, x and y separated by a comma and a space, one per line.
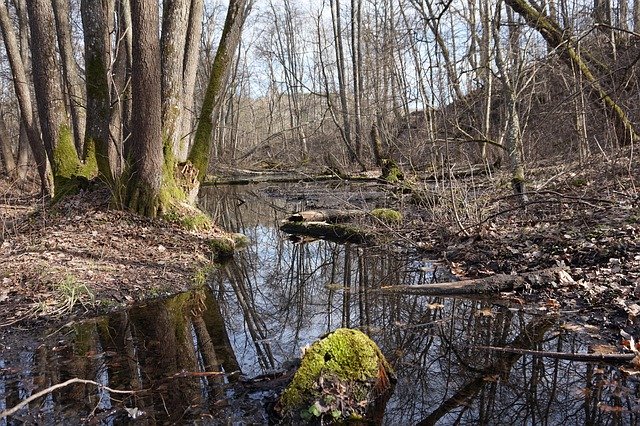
point(569, 356)
point(43, 392)
point(487, 285)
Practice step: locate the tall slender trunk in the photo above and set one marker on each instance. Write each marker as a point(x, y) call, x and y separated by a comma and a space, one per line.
point(191, 58)
point(356, 59)
point(97, 48)
point(72, 79)
point(175, 19)
point(27, 113)
point(199, 155)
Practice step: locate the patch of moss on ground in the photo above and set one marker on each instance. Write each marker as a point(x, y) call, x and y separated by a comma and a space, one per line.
point(388, 216)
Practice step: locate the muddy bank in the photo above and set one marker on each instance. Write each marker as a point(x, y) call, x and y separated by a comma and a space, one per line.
point(81, 257)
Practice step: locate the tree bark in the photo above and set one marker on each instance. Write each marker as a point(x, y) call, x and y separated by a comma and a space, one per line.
point(561, 40)
point(6, 151)
point(27, 113)
point(72, 79)
point(97, 57)
point(54, 126)
point(175, 20)
point(146, 174)
point(191, 58)
point(199, 155)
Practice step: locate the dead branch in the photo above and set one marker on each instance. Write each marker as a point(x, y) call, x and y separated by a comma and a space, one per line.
point(487, 285)
point(43, 392)
point(563, 355)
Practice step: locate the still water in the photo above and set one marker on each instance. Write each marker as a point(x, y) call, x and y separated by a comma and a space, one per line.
point(188, 358)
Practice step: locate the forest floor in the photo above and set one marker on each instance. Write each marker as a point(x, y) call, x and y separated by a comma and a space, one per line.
point(81, 257)
point(585, 217)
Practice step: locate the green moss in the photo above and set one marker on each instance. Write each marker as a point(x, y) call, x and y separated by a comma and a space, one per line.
point(202, 273)
point(388, 216)
point(223, 247)
point(391, 171)
point(240, 240)
point(346, 357)
point(189, 218)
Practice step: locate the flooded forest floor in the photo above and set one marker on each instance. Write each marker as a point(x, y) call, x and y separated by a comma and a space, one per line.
point(82, 258)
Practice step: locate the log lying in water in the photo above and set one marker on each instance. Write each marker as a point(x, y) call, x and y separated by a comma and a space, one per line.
point(488, 285)
point(328, 231)
point(328, 215)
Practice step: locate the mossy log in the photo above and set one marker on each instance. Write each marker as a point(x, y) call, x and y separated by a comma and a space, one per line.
point(328, 215)
point(328, 231)
point(488, 285)
point(342, 378)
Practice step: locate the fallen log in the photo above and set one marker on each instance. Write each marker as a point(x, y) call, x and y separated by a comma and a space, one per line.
point(328, 215)
point(328, 231)
point(487, 285)
point(569, 356)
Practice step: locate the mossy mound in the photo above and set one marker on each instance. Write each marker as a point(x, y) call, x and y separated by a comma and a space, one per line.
point(342, 377)
point(391, 172)
point(388, 216)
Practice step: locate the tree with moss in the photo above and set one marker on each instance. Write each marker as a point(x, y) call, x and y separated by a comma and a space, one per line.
point(140, 79)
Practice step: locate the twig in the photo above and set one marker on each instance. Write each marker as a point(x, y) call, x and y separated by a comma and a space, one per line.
point(43, 392)
point(564, 355)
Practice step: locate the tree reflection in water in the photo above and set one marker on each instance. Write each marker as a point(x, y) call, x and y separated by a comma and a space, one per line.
point(276, 297)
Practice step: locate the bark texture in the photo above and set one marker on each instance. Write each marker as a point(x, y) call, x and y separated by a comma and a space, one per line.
point(73, 83)
point(146, 168)
point(54, 126)
point(27, 113)
point(95, 16)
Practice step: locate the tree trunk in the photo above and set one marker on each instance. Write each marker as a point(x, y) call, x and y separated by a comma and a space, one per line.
point(54, 125)
point(27, 113)
point(191, 58)
point(146, 165)
point(73, 82)
point(6, 151)
point(562, 41)
point(513, 132)
point(199, 155)
point(97, 57)
point(175, 20)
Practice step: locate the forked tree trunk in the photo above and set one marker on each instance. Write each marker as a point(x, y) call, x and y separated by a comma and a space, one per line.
point(146, 165)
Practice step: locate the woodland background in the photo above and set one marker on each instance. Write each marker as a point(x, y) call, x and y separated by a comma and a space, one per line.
point(338, 84)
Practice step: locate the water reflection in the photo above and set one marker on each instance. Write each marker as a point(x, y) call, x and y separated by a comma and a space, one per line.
point(184, 356)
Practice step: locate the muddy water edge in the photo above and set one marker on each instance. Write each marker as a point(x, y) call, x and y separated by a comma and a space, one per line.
point(220, 354)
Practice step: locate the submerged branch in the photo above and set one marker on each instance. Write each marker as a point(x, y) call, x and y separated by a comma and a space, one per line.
point(563, 355)
point(43, 392)
point(487, 285)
